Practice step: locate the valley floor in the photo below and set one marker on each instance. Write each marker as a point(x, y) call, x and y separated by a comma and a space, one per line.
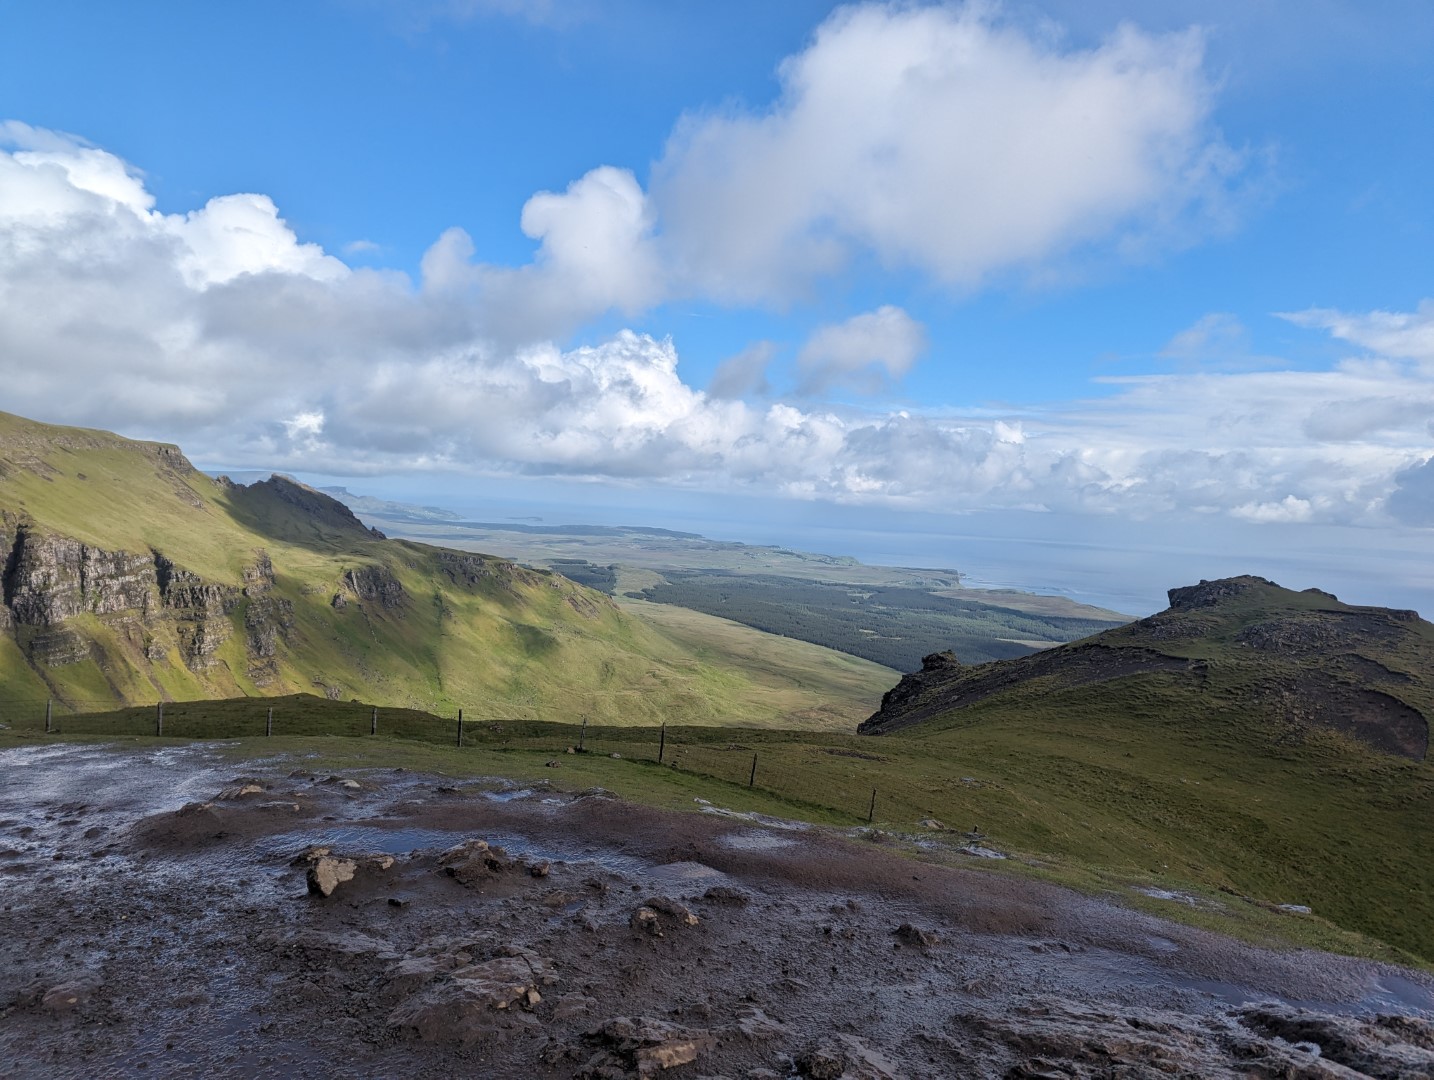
point(158, 921)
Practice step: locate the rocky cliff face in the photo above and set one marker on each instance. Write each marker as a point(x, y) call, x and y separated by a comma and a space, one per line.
point(52, 578)
point(375, 584)
point(152, 603)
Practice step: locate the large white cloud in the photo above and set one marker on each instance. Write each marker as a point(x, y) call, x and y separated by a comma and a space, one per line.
point(942, 139)
point(935, 138)
point(222, 330)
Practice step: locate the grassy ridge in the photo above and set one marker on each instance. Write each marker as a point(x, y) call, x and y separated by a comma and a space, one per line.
point(469, 631)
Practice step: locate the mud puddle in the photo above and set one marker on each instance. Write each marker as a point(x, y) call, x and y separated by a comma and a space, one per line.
point(158, 917)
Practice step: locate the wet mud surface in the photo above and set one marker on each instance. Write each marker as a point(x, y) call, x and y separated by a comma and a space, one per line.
point(161, 916)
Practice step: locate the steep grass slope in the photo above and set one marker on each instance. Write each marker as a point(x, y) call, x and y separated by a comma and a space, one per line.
point(1249, 739)
point(130, 577)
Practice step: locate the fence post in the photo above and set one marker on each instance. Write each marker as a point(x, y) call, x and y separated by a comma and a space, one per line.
point(583, 735)
point(269, 723)
point(159, 718)
point(373, 723)
point(49, 702)
point(460, 727)
point(871, 810)
point(751, 780)
point(662, 744)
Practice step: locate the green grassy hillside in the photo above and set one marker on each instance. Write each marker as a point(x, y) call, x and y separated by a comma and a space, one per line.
point(132, 577)
point(1249, 739)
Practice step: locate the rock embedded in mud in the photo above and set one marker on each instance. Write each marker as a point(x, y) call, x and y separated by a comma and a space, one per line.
point(644, 1045)
point(467, 1002)
point(327, 873)
point(66, 996)
point(666, 906)
point(1052, 1037)
point(473, 861)
point(755, 1024)
point(845, 1057)
point(725, 894)
point(647, 917)
point(1387, 1046)
point(571, 1005)
point(241, 790)
point(910, 934)
point(645, 920)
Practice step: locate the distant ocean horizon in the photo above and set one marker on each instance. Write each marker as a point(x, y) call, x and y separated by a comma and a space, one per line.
point(1121, 564)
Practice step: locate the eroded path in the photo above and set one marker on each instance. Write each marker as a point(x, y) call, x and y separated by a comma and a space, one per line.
point(160, 916)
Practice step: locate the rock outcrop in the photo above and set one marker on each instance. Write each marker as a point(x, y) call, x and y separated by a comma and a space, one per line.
point(50, 579)
point(1292, 660)
point(375, 584)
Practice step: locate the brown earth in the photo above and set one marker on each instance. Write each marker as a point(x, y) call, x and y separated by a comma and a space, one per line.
point(162, 917)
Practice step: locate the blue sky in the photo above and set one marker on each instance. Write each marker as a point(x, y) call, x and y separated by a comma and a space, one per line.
point(1104, 271)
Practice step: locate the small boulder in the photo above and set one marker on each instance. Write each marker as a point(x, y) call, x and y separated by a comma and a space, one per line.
point(845, 1057)
point(474, 861)
point(646, 1046)
point(910, 934)
point(327, 873)
point(241, 790)
point(725, 894)
point(67, 996)
point(468, 1002)
point(675, 911)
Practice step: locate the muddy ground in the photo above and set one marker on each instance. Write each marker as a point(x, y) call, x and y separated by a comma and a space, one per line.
point(161, 916)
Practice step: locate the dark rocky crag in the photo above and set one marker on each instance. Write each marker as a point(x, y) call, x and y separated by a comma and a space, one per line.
point(1300, 659)
point(52, 581)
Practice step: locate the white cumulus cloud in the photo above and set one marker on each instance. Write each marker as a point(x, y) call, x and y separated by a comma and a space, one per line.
point(222, 330)
point(860, 351)
point(943, 139)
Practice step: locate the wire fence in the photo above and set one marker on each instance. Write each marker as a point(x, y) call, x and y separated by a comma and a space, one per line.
point(804, 769)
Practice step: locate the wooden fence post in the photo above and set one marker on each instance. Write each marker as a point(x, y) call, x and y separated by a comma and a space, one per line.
point(460, 727)
point(373, 722)
point(662, 744)
point(159, 718)
point(871, 810)
point(751, 780)
point(583, 735)
point(49, 702)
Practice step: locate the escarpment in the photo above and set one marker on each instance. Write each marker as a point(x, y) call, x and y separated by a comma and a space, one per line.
point(52, 583)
